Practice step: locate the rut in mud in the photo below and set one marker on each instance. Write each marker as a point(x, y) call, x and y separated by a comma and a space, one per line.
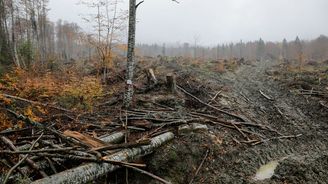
point(289, 114)
point(301, 160)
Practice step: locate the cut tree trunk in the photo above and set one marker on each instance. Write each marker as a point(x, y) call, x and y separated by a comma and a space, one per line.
point(44, 164)
point(91, 171)
point(171, 83)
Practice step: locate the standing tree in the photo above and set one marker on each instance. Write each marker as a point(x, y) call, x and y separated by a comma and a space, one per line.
point(231, 45)
point(130, 55)
point(217, 53)
point(196, 40)
point(320, 48)
point(260, 50)
point(241, 45)
point(299, 51)
point(5, 53)
point(13, 34)
point(108, 21)
point(284, 49)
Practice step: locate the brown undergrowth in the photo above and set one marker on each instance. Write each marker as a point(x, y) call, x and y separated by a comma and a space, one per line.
point(68, 90)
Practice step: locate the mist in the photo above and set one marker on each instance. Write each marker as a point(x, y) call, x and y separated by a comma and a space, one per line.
point(213, 22)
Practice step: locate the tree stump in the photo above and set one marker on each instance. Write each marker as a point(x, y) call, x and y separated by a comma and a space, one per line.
point(151, 78)
point(171, 83)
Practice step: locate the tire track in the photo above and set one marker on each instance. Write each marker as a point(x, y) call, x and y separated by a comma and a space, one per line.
point(285, 114)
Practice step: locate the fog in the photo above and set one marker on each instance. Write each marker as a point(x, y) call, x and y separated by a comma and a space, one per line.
point(215, 21)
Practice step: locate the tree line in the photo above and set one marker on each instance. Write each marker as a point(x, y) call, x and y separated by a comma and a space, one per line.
point(28, 38)
point(316, 49)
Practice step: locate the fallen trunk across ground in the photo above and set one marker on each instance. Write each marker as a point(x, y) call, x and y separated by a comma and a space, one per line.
point(43, 164)
point(91, 171)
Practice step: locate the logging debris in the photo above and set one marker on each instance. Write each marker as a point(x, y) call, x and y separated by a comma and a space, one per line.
point(75, 147)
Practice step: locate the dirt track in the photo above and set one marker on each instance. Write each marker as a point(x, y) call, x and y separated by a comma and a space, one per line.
point(289, 114)
point(301, 160)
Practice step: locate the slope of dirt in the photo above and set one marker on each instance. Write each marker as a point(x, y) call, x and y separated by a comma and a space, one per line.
point(301, 160)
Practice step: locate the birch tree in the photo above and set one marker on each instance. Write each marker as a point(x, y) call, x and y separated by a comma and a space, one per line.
point(130, 54)
point(4, 40)
point(107, 23)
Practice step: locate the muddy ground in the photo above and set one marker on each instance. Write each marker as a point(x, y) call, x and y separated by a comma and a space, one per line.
point(301, 160)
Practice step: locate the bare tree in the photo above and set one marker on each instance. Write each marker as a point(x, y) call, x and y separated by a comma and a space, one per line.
point(13, 35)
point(196, 40)
point(130, 54)
point(5, 52)
point(285, 49)
point(107, 23)
point(260, 50)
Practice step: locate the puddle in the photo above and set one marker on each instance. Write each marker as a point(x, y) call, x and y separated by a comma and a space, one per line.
point(266, 171)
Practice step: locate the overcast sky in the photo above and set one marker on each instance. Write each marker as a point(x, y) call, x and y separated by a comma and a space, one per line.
point(216, 21)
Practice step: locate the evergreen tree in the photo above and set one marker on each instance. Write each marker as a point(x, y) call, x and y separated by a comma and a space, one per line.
point(284, 48)
point(260, 50)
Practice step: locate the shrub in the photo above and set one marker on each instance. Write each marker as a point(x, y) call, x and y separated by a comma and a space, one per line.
point(80, 94)
point(66, 89)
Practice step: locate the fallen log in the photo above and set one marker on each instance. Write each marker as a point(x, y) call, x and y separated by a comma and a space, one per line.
point(91, 171)
point(124, 145)
point(113, 138)
point(44, 164)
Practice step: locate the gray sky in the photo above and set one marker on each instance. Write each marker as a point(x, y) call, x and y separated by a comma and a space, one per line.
point(216, 21)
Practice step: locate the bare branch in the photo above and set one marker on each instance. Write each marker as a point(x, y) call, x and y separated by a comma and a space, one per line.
point(139, 4)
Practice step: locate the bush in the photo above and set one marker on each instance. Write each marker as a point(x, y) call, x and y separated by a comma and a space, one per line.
point(80, 94)
point(66, 89)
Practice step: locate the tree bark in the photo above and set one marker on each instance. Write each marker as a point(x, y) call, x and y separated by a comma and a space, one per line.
point(91, 171)
point(44, 164)
point(13, 36)
point(4, 44)
point(130, 55)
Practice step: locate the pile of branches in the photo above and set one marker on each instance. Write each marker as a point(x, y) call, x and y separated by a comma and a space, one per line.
point(41, 151)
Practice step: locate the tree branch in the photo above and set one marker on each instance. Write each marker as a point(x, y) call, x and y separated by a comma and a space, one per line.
point(139, 4)
point(21, 161)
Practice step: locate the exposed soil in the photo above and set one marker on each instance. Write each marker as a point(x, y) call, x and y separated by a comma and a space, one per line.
point(260, 113)
point(301, 160)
